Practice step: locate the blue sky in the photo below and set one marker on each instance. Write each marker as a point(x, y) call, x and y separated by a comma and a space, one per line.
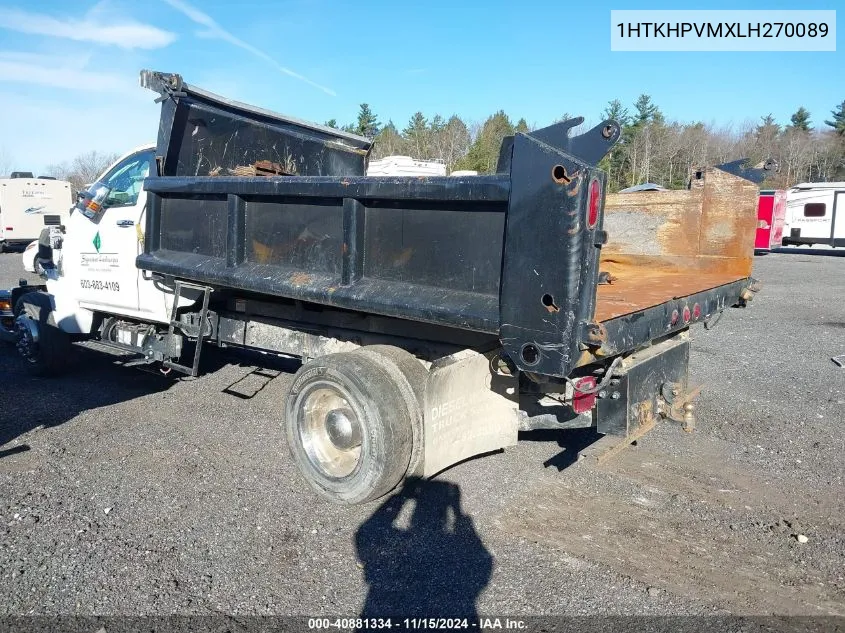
point(69, 70)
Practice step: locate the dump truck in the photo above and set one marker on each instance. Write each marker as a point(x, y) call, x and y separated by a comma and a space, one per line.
point(435, 317)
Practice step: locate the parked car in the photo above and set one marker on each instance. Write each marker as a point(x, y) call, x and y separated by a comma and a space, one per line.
point(29, 256)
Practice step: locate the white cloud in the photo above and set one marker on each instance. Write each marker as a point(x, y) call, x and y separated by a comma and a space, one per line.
point(47, 131)
point(214, 30)
point(66, 72)
point(123, 32)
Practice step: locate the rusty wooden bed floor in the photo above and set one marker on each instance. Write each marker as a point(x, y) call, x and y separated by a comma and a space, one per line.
point(645, 289)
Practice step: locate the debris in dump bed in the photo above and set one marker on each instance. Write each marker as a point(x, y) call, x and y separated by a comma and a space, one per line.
point(839, 361)
point(259, 168)
point(801, 538)
point(606, 278)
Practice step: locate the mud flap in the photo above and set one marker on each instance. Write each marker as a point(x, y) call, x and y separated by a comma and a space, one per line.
point(649, 385)
point(469, 410)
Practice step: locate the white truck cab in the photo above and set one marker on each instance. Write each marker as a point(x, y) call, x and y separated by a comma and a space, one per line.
point(95, 268)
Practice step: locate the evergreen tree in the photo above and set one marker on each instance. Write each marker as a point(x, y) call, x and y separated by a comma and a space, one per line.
point(417, 125)
point(647, 111)
point(801, 120)
point(368, 124)
point(416, 133)
point(388, 142)
point(483, 154)
point(838, 122)
point(768, 127)
point(616, 111)
point(437, 124)
point(521, 126)
point(331, 123)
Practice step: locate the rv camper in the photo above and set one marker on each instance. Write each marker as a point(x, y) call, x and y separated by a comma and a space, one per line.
point(28, 204)
point(811, 214)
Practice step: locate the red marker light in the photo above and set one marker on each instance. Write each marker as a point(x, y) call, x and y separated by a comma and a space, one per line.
point(696, 311)
point(593, 204)
point(583, 402)
point(675, 316)
point(687, 314)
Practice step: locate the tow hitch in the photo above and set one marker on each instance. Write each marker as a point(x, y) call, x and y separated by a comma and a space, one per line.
point(648, 386)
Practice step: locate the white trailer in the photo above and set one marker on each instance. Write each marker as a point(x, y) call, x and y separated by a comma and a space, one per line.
point(29, 204)
point(811, 214)
point(405, 166)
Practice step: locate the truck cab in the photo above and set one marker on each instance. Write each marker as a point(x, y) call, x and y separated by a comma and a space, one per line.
point(95, 261)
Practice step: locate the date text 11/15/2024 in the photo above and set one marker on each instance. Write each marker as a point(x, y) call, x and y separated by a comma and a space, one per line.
point(415, 624)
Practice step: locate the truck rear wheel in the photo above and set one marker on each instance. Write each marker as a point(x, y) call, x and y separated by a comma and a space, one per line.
point(45, 348)
point(416, 376)
point(349, 421)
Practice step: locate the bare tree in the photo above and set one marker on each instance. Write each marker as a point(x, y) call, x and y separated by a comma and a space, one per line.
point(84, 169)
point(6, 162)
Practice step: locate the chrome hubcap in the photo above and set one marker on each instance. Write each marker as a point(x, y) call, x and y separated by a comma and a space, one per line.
point(330, 431)
point(342, 430)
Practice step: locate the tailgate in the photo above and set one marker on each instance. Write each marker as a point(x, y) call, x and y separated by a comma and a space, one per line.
point(674, 257)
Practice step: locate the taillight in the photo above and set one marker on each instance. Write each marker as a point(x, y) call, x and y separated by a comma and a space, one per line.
point(593, 203)
point(583, 402)
point(696, 311)
point(687, 314)
point(675, 316)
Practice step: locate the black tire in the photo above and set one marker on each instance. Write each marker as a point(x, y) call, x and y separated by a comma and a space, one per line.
point(2, 247)
point(366, 389)
point(52, 353)
point(415, 375)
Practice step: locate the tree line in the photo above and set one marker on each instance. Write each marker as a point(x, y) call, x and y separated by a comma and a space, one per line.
point(651, 149)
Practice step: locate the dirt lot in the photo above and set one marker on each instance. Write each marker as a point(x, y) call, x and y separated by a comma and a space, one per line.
point(123, 492)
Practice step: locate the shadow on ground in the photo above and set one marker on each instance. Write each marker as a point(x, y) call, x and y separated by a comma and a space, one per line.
point(800, 250)
point(571, 442)
point(92, 380)
point(422, 556)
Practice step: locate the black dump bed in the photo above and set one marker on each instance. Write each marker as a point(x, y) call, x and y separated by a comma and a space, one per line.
point(259, 202)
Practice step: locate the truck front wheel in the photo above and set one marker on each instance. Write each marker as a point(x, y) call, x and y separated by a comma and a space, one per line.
point(45, 348)
point(349, 422)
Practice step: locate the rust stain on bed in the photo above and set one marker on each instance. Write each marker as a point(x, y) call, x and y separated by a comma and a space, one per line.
point(300, 279)
point(647, 290)
point(665, 244)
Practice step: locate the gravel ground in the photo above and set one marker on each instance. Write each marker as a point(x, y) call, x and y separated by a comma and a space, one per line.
point(123, 492)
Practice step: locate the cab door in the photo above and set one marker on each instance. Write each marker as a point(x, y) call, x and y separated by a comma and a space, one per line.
point(107, 238)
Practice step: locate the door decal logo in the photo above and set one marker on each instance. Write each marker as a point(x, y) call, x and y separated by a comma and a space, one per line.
point(97, 243)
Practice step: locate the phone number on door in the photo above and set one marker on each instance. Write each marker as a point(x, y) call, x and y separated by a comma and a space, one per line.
point(96, 284)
